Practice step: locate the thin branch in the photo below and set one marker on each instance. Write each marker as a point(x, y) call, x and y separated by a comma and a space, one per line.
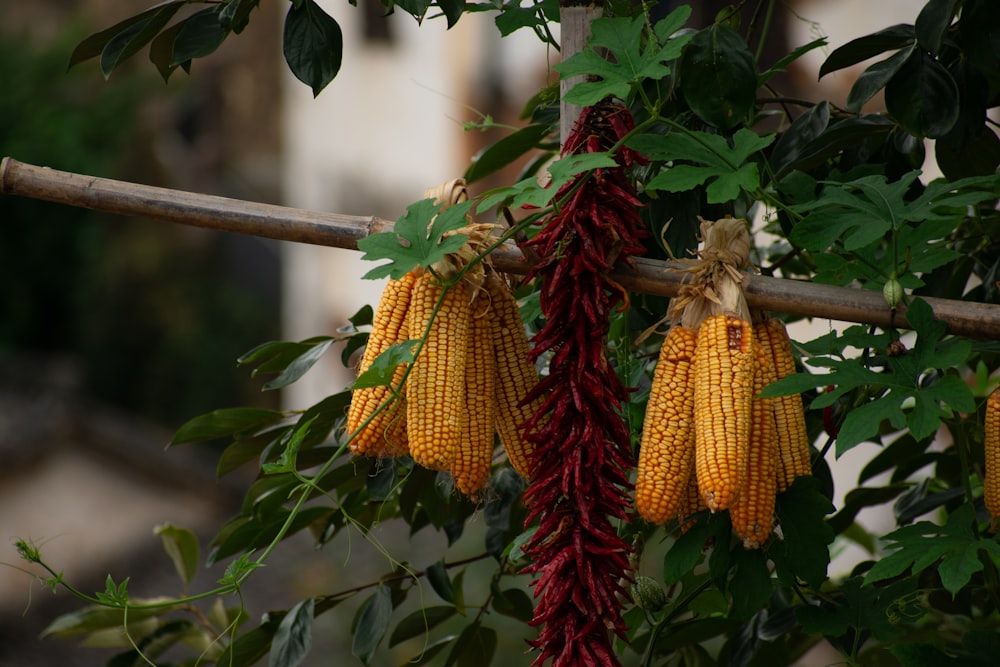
point(647, 276)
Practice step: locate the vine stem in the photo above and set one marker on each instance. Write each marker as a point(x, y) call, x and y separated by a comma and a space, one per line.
point(646, 276)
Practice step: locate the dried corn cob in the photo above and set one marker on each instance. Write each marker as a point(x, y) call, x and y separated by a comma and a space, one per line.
point(991, 444)
point(723, 381)
point(666, 452)
point(794, 459)
point(753, 512)
point(385, 435)
point(435, 389)
point(516, 375)
point(471, 467)
point(691, 502)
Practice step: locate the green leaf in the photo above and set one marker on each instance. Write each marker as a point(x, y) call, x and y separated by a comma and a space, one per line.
point(863, 422)
point(875, 77)
point(313, 44)
point(503, 523)
point(247, 534)
point(199, 35)
point(452, 10)
point(475, 647)
point(290, 360)
point(248, 648)
point(932, 22)
point(923, 544)
point(724, 164)
point(513, 602)
point(923, 655)
point(124, 39)
point(528, 192)
point(750, 586)
point(629, 64)
point(923, 97)
point(801, 512)
point(293, 638)
point(505, 151)
point(225, 422)
point(182, 546)
point(861, 497)
point(235, 15)
point(888, 39)
point(417, 239)
point(299, 366)
point(437, 577)
point(93, 618)
point(383, 367)
point(420, 622)
point(686, 552)
point(800, 134)
point(371, 623)
point(784, 62)
point(719, 77)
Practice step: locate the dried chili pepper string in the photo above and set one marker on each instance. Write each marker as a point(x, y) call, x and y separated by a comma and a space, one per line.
point(583, 454)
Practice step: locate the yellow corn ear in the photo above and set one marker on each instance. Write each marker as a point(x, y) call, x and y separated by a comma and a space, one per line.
point(516, 375)
point(794, 458)
point(666, 450)
point(991, 445)
point(752, 513)
point(471, 467)
point(385, 434)
point(691, 502)
point(435, 389)
point(723, 382)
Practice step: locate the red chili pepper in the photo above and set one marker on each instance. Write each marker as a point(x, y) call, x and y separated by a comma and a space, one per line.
point(583, 452)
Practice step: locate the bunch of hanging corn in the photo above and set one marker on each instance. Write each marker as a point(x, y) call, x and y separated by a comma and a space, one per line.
point(709, 439)
point(468, 380)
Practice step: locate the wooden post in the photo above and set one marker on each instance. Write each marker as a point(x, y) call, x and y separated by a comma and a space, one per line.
point(574, 19)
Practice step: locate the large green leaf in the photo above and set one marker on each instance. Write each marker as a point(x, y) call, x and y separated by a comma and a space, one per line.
point(225, 422)
point(505, 151)
point(125, 38)
point(420, 622)
point(632, 59)
point(474, 648)
point(888, 39)
point(719, 77)
point(293, 639)
point(313, 44)
point(417, 239)
point(200, 35)
point(932, 22)
point(923, 97)
point(182, 546)
point(370, 623)
point(875, 78)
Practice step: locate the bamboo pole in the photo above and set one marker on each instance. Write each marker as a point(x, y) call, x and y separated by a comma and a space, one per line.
point(646, 276)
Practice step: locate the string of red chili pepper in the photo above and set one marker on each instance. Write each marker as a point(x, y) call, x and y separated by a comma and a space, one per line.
point(583, 454)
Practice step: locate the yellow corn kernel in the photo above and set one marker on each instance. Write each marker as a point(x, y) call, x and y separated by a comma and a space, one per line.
point(991, 445)
point(385, 434)
point(794, 458)
point(666, 451)
point(516, 375)
point(753, 512)
point(723, 382)
point(435, 389)
point(471, 467)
